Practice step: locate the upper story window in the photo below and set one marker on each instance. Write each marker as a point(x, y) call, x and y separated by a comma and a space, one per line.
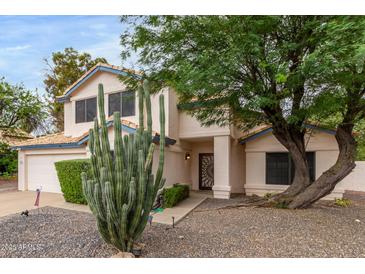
point(85, 110)
point(124, 102)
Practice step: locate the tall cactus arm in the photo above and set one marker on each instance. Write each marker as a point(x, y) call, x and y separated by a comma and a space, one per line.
point(150, 198)
point(148, 164)
point(97, 147)
point(118, 143)
point(141, 188)
point(119, 182)
point(107, 158)
point(140, 108)
point(123, 226)
point(110, 201)
point(147, 95)
point(103, 229)
point(91, 141)
point(99, 204)
point(125, 211)
point(162, 142)
point(114, 233)
point(101, 108)
point(131, 194)
point(88, 188)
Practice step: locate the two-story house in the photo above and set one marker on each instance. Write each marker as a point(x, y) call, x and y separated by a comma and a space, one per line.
point(222, 159)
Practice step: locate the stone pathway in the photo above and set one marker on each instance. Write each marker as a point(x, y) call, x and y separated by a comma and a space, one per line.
point(182, 209)
point(18, 201)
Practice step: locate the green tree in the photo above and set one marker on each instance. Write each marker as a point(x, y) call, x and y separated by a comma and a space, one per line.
point(8, 160)
point(64, 69)
point(249, 70)
point(20, 108)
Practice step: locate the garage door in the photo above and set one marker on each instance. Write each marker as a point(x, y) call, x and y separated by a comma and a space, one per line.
point(41, 171)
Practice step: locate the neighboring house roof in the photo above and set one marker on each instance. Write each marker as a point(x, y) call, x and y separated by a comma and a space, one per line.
point(59, 140)
point(259, 131)
point(98, 67)
point(13, 136)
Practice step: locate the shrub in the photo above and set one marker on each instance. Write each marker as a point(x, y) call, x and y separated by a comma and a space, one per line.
point(175, 194)
point(8, 161)
point(342, 202)
point(69, 176)
point(282, 204)
point(268, 195)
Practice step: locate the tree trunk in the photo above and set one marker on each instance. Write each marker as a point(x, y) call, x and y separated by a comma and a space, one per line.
point(293, 140)
point(327, 181)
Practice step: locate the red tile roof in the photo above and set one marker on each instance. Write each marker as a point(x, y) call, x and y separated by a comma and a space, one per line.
point(14, 136)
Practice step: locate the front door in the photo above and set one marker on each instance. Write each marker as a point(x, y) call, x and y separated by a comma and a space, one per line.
point(206, 171)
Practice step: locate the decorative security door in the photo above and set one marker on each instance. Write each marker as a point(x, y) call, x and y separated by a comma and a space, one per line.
point(206, 171)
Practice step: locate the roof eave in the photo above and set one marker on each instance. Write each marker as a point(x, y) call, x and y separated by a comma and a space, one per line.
point(66, 96)
point(47, 146)
point(268, 130)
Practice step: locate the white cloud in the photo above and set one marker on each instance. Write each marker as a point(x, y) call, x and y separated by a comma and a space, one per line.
point(110, 50)
point(98, 26)
point(16, 48)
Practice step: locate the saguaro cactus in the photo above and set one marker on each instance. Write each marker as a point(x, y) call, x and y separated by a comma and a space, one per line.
point(122, 189)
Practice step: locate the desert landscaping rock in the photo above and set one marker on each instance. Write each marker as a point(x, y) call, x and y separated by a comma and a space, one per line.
point(123, 255)
point(52, 232)
point(322, 231)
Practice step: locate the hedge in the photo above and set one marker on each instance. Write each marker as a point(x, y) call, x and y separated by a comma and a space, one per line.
point(68, 173)
point(8, 161)
point(175, 194)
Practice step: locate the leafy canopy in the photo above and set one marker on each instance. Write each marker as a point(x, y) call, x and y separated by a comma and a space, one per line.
point(20, 108)
point(254, 69)
point(64, 69)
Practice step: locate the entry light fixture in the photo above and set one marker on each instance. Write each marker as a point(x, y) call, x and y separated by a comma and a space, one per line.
point(187, 156)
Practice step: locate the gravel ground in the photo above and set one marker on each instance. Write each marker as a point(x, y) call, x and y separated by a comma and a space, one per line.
point(322, 231)
point(52, 232)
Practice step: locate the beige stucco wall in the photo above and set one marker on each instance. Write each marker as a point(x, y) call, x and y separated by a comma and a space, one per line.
point(317, 141)
point(355, 181)
point(323, 144)
point(89, 89)
point(237, 167)
point(176, 168)
point(189, 127)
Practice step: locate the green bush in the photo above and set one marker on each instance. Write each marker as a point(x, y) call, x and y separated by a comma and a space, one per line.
point(8, 161)
point(175, 194)
point(342, 202)
point(69, 176)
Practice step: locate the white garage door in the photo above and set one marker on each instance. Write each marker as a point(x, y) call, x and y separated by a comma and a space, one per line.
point(41, 171)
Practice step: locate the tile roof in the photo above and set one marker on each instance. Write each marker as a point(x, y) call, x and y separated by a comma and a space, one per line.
point(13, 136)
point(59, 140)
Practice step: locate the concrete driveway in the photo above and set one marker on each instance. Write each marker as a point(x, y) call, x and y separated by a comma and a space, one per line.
point(18, 201)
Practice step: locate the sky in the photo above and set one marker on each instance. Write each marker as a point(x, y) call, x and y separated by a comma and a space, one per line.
point(26, 40)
